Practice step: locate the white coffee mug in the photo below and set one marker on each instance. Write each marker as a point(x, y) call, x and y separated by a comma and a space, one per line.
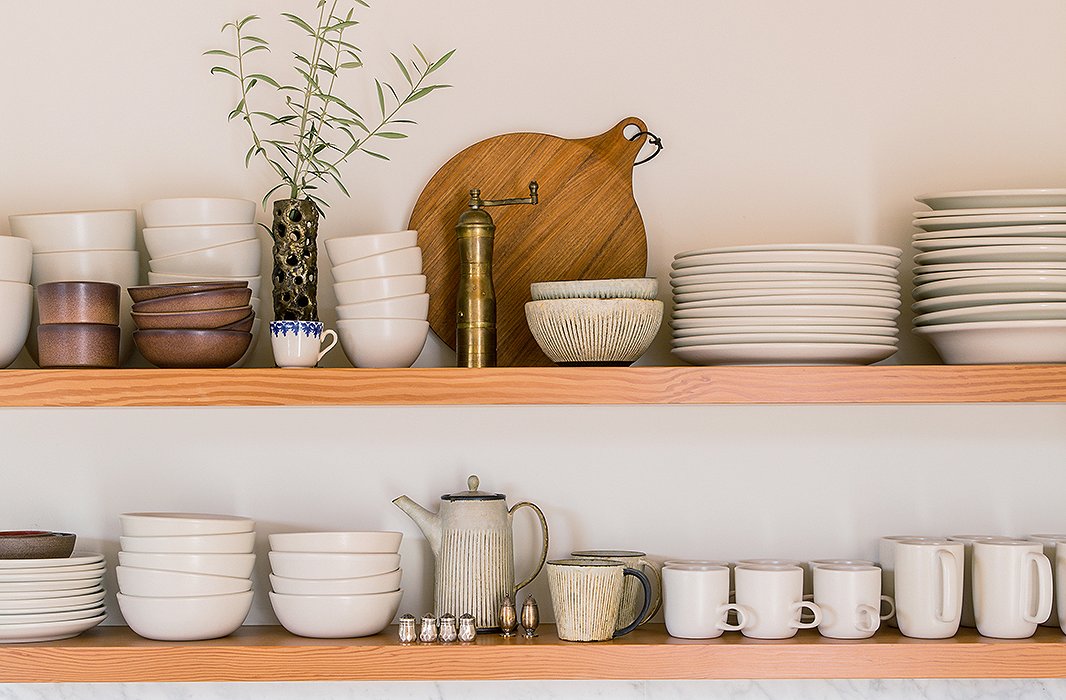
point(928, 587)
point(1051, 552)
point(299, 343)
point(696, 601)
point(771, 597)
point(1060, 586)
point(887, 558)
point(850, 598)
point(967, 619)
point(1012, 588)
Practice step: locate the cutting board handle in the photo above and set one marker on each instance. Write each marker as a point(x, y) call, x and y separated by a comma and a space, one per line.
point(615, 147)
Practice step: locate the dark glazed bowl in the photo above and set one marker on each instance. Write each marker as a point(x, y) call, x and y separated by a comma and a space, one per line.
point(197, 301)
point(70, 345)
point(78, 302)
point(36, 544)
point(158, 291)
point(190, 349)
point(203, 320)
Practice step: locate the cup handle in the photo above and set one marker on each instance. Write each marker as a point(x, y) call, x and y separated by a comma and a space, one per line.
point(544, 549)
point(869, 618)
point(891, 603)
point(947, 590)
point(1044, 588)
point(332, 345)
point(657, 602)
point(815, 611)
point(646, 584)
point(742, 617)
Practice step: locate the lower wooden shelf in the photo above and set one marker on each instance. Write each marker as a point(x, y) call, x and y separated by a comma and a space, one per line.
point(117, 655)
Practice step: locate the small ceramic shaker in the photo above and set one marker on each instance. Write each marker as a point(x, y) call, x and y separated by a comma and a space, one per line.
point(530, 616)
point(408, 633)
point(467, 628)
point(428, 634)
point(508, 618)
point(449, 628)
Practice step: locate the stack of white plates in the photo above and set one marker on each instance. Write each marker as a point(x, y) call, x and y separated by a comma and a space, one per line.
point(786, 304)
point(990, 280)
point(46, 599)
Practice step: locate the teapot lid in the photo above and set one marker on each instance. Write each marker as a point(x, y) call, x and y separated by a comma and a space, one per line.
point(473, 494)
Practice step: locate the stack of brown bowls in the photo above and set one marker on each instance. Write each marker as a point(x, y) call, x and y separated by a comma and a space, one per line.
point(79, 325)
point(195, 325)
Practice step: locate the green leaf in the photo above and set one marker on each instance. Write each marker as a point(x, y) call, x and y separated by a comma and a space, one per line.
point(219, 69)
point(376, 155)
point(257, 47)
point(352, 64)
point(391, 135)
point(422, 92)
point(255, 39)
point(381, 98)
point(266, 79)
point(440, 62)
point(299, 23)
point(421, 55)
point(250, 18)
point(403, 69)
point(220, 52)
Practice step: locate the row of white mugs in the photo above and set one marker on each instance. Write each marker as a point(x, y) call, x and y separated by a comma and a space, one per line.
point(927, 586)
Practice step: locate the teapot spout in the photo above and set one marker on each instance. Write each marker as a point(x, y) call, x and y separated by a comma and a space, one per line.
point(428, 522)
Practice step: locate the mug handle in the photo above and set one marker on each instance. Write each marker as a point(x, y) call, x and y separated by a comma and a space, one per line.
point(646, 584)
point(742, 617)
point(657, 603)
point(1044, 588)
point(891, 603)
point(814, 609)
point(869, 618)
point(544, 549)
point(331, 345)
point(947, 578)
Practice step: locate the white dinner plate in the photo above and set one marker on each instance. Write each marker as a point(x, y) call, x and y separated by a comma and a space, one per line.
point(29, 618)
point(994, 268)
point(887, 302)
point(781, 292)
point(823, 310)
point(772, 337)
point(57, 576)
point(949, 243)
point(74, 602)
point(54, 570)
point(878, 272)
point(1013, 342)
point(37, 586)
point(47, 631)
point(785, 354)
point(883, 331)
point(1048, 311)
point(778, 277)
point(692, 323)
point(76, 559)
point(990, 199)
point(50, 595)
point(784, 286)
point(788, 247)
point(989, 211)
point(1005, 253)
point(944, 223)
point(1053, 230)
point(787, 256)
point(963, 301)
point(991, 284)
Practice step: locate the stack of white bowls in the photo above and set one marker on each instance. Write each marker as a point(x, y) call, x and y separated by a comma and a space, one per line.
point(16, 296)
point(83, 246)
point(333, 585)
point(46, 599)
point(990, 279)
point(205, 239)
point(185, 576)
point(381, 294)
point(787, 304)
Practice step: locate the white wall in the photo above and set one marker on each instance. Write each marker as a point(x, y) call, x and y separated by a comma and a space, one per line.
point(783, 121)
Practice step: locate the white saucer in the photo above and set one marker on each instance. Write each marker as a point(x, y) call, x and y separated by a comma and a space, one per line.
point(789, 247)
point(781, 292)
point(57, 576)
point(785, 277)
point(1055, 230)
point(987, 199)
point(74, 602)
point(991, 284)
point(1004, 253)
point(949, 243)
point(989, 211)
point(787, 287)
point(51, 616)
point(76, 559)
point(823, 310)
point(878, 272)
point(882, 331)
point(993, 268)
point(963, 301)
point(999, 342)
point(771, 337)
point(787, 256)
point(888, 302)
point(46, 631)
point(785, 354)
point(691, 323)
point(50, 595)
point(1049, 311)
point(944, 223)
point(53, 571)
point(62, 585)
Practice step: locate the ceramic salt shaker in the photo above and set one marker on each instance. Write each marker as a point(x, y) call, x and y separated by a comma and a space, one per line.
point(428, 633)
point(449, 628)
point(508, 619)
point(408, 633)
point(530, 616)
point(467, 628)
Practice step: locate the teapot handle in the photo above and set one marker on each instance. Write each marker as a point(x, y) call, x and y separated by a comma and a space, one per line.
point(544, 551)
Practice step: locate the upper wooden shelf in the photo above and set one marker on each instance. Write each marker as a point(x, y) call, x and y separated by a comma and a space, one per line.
point(116, 655)
point(535, 386)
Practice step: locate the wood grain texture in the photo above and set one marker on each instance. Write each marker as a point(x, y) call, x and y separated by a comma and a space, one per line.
point(586, 226)
point(535, 386)
point(116, 655)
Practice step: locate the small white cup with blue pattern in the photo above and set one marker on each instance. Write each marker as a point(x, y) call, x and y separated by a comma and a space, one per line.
point(299, 343)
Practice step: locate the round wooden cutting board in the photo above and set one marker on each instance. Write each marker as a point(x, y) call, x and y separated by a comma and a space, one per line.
point(586, 226)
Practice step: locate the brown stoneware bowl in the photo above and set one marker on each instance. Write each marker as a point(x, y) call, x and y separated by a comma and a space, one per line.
point(36, 544)
point(158, 291)
point(78, 302)
point(186, 349)
point(205, 320)
point(197, 301)
point(78, 345)
point(244, 325)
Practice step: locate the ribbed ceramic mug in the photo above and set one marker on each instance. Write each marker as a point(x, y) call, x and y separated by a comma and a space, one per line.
point(299, 343)
point(1050, 543)
point(850, 598)
point(587, 597)
point(1012, 588)
point(632, 597)
point(696, 601)
point(928, 587)
point(887, 556)
point(771, 597)
point(967, 619)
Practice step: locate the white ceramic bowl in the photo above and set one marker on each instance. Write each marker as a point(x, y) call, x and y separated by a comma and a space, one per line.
point(240, 259)
point(77, 230)
point(185, 619)
point(165, 242)
point(172, 584)
point(255, 282)
point(635, 288)
point(594, 331)
point(382, 342)
point(353, 542)
point(234, 565)
point(122, 267)
point(359, 291)
point(16, 309)
point(415, 306)
point(336, 616)
point(345, 250)
point(235, 543)
point(16, 259)
point(197, 211)
point(998, 342)
point(179, 524)
point(382, 583)
point(331, 565)
point(406, 261)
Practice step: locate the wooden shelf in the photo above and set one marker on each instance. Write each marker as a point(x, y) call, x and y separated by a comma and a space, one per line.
point(535, 386)
point(116, 655)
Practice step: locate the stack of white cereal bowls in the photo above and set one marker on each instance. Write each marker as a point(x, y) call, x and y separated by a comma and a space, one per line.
point(786, 304)
point(381, 296)
point(83, 246)
point(201, 239)
point(990, 275)
point(334, 585)
point(185, 576)
point(16, 296)
point(47, 599)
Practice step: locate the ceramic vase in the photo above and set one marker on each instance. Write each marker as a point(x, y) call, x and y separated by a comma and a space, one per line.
point(295, 275)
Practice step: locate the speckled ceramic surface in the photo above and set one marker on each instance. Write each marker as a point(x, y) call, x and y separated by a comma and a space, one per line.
point(207, 320)
point(158, 291)
point(186, 349)
point(631, 288)
point(78, 302)
point(197, 301)
point(36, 544)
point(594, 331)
point(92, 345)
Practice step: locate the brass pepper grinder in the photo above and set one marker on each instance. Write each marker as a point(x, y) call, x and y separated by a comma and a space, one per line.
point(475, 321)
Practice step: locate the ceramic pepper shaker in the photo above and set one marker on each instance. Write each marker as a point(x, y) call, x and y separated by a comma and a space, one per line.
point(449, 628)
point(408, 633)
point(428, 633)
point(508, 620)
point(530, 616)
point(467, 628)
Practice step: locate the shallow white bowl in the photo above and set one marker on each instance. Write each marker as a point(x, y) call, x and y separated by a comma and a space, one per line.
point(16, 259)
point(998, 342)
point(635, 288)
point(178, 524)
point(353, 542)
point(172, 584)
point(330, 565)
point(594, 331)
point(255, 282)
point(235, 543)
point(359, 291)
point(187, 618)
point(164, 242)
point(406, 261)
point(197, 211)
point(382, 342)
point(345, 250)
point(235, 565)
point(122, 267)
point(240, 259)
point(336, 616)
point(16, 310)
point(77, 230)
point(382, 583)
point(415, 306)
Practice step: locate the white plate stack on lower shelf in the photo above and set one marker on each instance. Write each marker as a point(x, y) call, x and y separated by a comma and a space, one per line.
point(990, 275)
point(46, 599)
point(334, 585)
point(185, 576)
point(786, 304)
